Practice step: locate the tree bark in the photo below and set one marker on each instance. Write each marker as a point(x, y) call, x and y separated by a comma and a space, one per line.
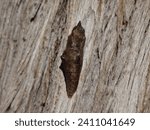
point(115, 71)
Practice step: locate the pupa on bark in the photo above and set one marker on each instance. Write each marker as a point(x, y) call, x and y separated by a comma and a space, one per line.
point(72, 59)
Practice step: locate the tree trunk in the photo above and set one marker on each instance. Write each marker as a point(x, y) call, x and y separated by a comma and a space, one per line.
point(39, 52)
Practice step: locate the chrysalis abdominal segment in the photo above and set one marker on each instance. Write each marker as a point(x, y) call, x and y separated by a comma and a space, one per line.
point(72, 59)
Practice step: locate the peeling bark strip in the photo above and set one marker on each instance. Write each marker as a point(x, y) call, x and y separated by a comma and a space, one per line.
point(72, 59)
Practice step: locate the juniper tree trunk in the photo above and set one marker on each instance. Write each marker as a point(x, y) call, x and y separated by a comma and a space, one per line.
point(74, 55)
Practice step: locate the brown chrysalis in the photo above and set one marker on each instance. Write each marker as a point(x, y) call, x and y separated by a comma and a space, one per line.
point(72, 59)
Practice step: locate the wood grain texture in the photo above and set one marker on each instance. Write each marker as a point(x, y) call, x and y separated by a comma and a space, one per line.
point(115, 74)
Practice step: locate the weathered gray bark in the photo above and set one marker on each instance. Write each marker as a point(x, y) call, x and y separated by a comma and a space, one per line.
point(115, 75)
